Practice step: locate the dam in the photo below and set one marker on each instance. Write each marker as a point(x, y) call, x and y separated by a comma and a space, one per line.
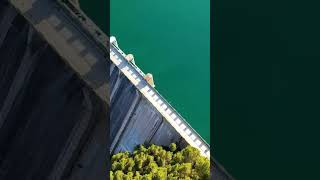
point(139, 115)
point(65, 89)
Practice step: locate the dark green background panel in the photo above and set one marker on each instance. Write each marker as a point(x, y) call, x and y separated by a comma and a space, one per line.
point(266, 88)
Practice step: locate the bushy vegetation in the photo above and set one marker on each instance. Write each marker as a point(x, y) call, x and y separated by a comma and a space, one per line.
point(157, 163)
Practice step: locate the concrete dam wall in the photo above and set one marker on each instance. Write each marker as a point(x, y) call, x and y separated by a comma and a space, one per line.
point(52, 125)
point(134, 120)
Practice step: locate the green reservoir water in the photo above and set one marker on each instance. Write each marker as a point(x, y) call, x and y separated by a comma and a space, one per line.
point(169, 39)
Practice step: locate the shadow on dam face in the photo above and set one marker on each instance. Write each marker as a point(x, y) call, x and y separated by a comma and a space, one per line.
point(134, 121)
point(52, 125)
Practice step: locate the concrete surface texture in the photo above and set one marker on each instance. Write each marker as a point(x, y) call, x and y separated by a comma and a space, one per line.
point(52, 124)
point(133, 119)
point(68, 38)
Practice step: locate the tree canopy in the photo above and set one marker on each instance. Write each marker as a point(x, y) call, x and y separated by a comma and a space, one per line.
point(157, 163)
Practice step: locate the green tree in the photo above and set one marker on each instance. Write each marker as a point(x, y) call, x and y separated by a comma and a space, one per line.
point(173, 147)
point(118, 175)
point(156, 163)
point(111, 175)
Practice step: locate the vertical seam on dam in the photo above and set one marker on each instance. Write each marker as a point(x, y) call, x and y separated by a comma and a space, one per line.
point(125, 123)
